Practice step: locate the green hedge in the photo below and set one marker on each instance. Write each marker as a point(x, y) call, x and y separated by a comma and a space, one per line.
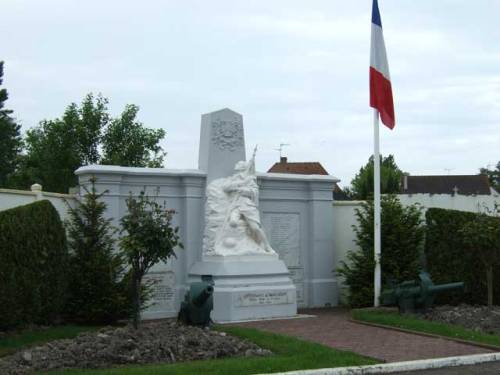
point(33, 259)
point(449, 260)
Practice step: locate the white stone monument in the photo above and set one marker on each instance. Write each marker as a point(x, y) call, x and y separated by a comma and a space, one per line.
point(250, 281)
point(255, 276)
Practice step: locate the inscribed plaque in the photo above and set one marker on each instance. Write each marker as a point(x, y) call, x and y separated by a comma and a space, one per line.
point(162, 285)
point(283, 233)
point(263, 298)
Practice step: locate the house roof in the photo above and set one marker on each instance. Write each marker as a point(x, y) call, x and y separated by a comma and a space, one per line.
point(297, 168)
point(461, 184)
point(313, 167)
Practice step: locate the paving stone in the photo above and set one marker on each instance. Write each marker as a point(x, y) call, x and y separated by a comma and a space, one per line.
point(331, 327)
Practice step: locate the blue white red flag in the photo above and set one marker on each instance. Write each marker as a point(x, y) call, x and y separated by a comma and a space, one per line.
point(380, 80)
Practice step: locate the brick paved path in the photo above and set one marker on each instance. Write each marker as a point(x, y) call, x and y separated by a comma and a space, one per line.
point(331, 327)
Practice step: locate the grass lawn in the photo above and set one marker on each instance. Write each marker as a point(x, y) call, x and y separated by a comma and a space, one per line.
point(422, 325)
point(289, 354)
point(24, 339)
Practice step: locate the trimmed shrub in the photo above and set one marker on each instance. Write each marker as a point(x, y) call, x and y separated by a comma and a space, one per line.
point(450, 257)
point(402, 235)
point(33, 260)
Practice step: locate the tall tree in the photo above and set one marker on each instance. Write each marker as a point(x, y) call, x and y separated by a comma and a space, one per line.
point(390, 178)
point(10, 137)
point(493, 176)
point(128, 143)
point(56, 148)
point(90, 121)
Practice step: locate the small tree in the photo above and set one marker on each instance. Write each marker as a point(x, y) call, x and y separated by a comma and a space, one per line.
point(482, 235)
point(402, 235)
point(96, 293)
point(149, 238)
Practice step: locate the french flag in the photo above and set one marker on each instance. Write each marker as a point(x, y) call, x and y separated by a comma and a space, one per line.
point(380, 80)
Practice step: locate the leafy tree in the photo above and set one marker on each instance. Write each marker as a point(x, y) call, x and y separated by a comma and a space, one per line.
point(51, 157)
point(390, 178)
point(149, 238)
point(493, 176)
point(402, 235)
point(56, 148)
point(90, 121)
point(482, 236)
point(97, 294)
point(10, 138)
point(128, 143)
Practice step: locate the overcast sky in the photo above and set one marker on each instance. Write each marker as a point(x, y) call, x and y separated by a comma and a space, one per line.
point(296, 70)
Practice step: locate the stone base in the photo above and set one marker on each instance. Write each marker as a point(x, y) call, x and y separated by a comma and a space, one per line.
point(248, 287)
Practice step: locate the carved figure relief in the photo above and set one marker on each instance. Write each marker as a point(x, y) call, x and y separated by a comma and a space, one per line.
point(232, 219)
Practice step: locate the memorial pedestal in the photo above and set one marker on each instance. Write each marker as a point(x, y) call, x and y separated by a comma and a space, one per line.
point(248, 287)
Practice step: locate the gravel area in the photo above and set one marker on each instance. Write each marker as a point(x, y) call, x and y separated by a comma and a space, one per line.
point(477, 318)
point(158, 342)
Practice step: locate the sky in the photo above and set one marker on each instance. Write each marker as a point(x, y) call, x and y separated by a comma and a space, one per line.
point(296, 70)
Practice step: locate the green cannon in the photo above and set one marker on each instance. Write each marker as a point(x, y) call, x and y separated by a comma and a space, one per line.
point(417, 295)
point(197, 305)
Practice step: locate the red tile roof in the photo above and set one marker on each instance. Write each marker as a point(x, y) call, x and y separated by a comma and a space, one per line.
point(298, 168)
point(313, 167)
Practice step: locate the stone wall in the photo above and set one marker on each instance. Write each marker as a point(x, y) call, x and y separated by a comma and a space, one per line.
point(295, 210)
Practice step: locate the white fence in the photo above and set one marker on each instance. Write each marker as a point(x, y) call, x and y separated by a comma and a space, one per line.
point(10, 198)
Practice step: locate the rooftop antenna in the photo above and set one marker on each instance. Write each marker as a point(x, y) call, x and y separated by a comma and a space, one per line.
point(280, 149)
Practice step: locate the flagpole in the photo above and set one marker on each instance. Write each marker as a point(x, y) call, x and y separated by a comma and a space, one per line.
point(376, 203)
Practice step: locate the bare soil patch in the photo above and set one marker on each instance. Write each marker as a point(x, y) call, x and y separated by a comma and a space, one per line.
point(154, 342)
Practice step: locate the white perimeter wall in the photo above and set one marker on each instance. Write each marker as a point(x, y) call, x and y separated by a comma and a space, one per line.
point(344, 216)
point(470, 203)
point(10, 198)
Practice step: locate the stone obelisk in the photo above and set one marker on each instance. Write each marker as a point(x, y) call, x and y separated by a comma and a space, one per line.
point(222, 143)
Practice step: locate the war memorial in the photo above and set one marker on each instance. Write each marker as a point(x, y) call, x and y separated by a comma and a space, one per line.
point(263, 239)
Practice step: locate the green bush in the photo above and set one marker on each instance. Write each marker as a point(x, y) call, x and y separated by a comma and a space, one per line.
point(450, 258)
point(33, 259)
point(402, 235)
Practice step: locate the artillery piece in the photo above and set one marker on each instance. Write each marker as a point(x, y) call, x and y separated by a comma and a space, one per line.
point(416, 295)
point(197, 305)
